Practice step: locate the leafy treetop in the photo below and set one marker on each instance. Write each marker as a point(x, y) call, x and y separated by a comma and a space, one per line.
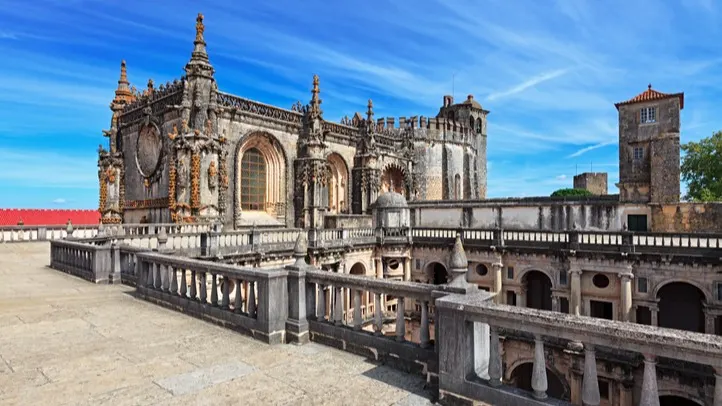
point(702, 169)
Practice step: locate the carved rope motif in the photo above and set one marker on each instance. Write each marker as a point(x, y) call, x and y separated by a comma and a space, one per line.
point(195, 180)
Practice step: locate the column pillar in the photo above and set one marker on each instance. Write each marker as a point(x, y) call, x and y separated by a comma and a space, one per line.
point(709, 321)
point(496, 268)
point(555, 303)
point(539, 371)
point(494, 358)
point(625, 299)
point(521, 298)
point(481, 350)
point(654, 310)
point(379, 268)
point(717, 389)
point(590, 384)
point(407, 269)
point(575, 302)
point(650, 394)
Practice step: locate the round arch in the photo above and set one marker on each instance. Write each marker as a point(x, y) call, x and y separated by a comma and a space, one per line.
point(275, 160)
point(394, 178)
point(546, 272)
point(520, 372)
point(338, 183)
point(358, 269)
point(681, 306)
point(437, 273)
point(539, 287)
point(677, 398)
point(706, 295)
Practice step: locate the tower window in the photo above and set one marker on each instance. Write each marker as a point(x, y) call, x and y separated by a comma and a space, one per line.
point(638, 153)
point(648, 115)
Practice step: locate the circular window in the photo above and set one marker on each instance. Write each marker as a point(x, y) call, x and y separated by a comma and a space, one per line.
point(149, 148)
point(393, 264)
point(481, 269)
point(600, 281)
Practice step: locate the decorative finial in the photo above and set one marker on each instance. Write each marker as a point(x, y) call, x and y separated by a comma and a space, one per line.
point(300, 249)
point(123, 94)
point(458, 265)
point(649, 86)
point(123, 72)
point(315, 100)
point(370, 111)
point(199, 27)
point(150, 85)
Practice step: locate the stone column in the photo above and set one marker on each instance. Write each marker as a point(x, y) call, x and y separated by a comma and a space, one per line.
point(496, 268)
point(625, 299)
point(521, 298)
point(708, 321)
point(407, 269)
point(555, 303)
point(379, 268)
point(717, 389)
point(575, 305)
point(539, 371)
point(654, 310)
point(590, 384)
point(650, 394)
point(494, 358)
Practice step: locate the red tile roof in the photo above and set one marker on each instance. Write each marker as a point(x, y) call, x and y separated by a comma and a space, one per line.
point(49, 217)
point(650, 95)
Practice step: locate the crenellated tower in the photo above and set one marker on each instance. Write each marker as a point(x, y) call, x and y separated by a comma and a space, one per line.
point(110, 162)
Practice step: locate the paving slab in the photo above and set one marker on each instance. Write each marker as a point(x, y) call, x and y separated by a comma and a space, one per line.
point(66, 341)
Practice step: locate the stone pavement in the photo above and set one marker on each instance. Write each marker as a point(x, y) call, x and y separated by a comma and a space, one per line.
point(65, 341)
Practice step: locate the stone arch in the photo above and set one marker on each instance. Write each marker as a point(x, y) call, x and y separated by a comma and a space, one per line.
point(276, 164)
point(358, 269)
point(519, 375)
point(546, 272)
point(681, 306)
point(706, 295)
point(394, 178)
point(538, 286)
point(478, 125)
point(437, 273)
point(678, 398)
point(338, 184)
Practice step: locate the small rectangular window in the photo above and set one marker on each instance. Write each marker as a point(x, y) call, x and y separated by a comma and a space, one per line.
point(648, 115)
point(603, 389)
point(510, 298)
point(642, 285)
point(418, 264)
point(719, 290)
point(564, 305)
point(563, 278)
point(602, 310)
point(510, 272)
point(638, 153)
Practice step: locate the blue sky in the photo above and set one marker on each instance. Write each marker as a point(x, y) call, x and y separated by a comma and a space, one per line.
point(549, 72)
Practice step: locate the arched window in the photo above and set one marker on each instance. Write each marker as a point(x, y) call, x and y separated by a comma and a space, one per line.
point(253, 180)
point(478, 125)
point(457, 187)
point(471, 122)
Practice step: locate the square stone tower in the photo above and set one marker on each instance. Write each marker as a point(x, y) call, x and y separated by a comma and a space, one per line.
point(649, 150)
point(594, 182)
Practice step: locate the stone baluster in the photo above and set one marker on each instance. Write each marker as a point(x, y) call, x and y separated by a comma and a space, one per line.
point(151, 275)
point(650, 394)
point(494, 358)
point(424, 336)
point(357, 320)
point(654, 310)
point(157, 281)
point(238, 303)
point(194, 285)
point(496, 268)
point(225, 298)
point(311, 305)
point(173, 280)
point(539, 371)
point(625, 299)
point(481, 350)
point(321, 304)
point(590, 384)
point(165, 271)
point(338, 305)
point(400, 320)
point(251, 299)
point(378, 315)
point(203, 287)
point(183, 283)
point(214, 290)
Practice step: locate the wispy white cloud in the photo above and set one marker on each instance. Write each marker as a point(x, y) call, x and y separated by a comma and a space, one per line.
point(589, 148)
point(59, 200)
point(8, 35)
point(531, 82)
point(20, 167)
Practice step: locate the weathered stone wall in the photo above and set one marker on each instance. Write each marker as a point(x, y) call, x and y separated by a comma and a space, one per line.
point(594, 182)
point(687, 217)
point(665, 169)
point(348, 221)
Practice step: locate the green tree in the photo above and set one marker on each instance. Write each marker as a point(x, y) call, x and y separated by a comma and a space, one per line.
point(569, 192)
point(702, 169)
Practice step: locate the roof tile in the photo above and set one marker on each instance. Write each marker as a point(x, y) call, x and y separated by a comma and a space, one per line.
point(651, 95)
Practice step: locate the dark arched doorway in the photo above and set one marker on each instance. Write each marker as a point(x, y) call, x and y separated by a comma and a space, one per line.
point(676, 401)
point(538, 290)
point(681, 307)
point(521, 378)
point(437, 273)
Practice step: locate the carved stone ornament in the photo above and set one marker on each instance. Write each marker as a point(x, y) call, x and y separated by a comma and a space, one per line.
point(149, 149)
point(212, 175)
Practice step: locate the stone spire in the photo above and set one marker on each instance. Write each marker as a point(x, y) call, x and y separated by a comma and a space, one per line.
point(459, 265)
point(315, 100)
point(123, 95)
point(199, 65)
point(370, 112)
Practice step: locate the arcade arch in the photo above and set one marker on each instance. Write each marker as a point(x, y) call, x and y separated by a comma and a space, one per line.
point(521, 378)
point(337, 184)
point(437, 274)
point(681, 306)
point(392, 180)
point(538, 288)
point(260, 175)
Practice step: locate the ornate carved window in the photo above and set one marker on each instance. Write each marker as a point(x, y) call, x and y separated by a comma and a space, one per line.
point(253, 180)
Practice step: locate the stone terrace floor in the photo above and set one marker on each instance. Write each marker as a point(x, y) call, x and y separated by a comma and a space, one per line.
point(65, 341)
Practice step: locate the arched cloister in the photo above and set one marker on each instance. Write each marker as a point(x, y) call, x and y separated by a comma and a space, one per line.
point(392, 179)
point(681, 306)
point(521, 378)
point(538, 288)
point(260, 175)
point(437, 273)
point(337, 187)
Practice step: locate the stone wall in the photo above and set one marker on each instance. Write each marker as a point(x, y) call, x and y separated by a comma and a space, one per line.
point(691, 217)
point(348, 221)
point(594, 182)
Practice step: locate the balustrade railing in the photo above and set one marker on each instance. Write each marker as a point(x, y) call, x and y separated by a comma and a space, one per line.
point(88, 261)
point(44, 233)
point(251, 301)
point(470, 358)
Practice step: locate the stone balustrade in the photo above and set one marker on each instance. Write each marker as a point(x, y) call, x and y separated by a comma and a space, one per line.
point(26, 233)
point(44, 233)
point(251, 301)
point(93, 262)
point(469, 329)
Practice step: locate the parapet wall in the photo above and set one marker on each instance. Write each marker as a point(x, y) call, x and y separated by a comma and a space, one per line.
point(48, 217)
point(691, 217)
